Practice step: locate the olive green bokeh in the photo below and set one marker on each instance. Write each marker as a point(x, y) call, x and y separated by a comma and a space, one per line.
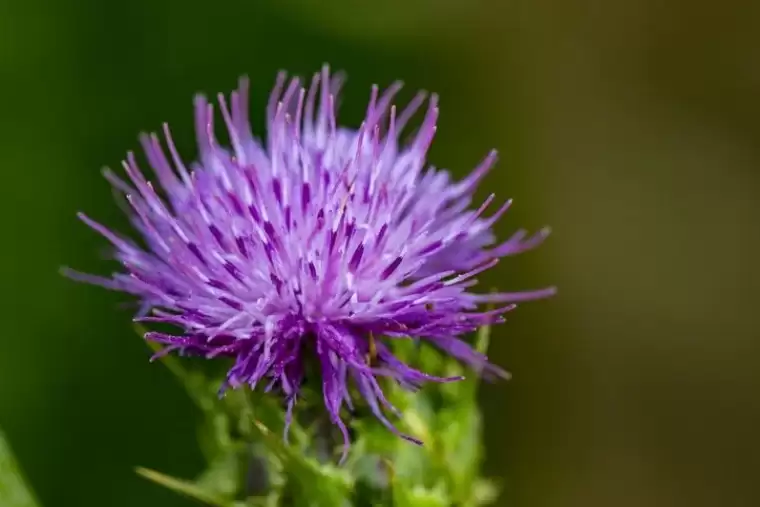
point(630, 127)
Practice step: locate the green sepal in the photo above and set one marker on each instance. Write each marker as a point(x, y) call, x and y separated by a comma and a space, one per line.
point(382, 469)
point(223, 477)
point(420, 496)
point(306, 481)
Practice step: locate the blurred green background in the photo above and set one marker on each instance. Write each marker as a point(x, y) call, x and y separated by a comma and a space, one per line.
point(631, 127)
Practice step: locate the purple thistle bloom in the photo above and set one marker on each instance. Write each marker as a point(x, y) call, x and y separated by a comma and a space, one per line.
point(322, 243)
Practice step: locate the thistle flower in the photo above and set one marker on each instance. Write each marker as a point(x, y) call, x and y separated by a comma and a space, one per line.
point(321, 244)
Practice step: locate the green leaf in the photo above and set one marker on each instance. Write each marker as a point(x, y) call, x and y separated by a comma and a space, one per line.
point(382, 469)
point(214, 436)
point(413, 464)
point(307, 482)
point(184, 487)
point(14, 491)
point(429, 359)
point(460, 438)
point(418, 496)
point(222, 478)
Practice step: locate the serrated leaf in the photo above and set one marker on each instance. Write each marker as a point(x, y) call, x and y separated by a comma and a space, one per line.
point(14, 491)
point(184, 487)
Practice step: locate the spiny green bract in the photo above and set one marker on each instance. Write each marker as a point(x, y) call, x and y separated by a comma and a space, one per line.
point(249, 464)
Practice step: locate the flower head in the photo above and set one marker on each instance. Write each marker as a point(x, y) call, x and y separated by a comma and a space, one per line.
point(321, 244)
